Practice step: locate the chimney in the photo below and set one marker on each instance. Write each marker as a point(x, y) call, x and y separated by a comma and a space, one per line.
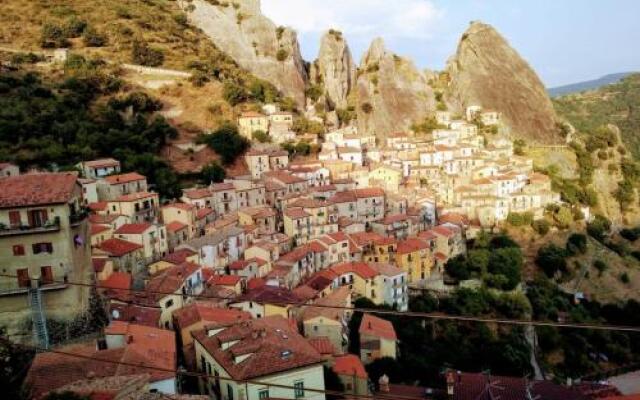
point(451, 381)
point(383, 384)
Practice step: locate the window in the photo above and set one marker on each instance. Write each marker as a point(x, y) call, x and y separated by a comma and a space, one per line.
point(23, 278)
point(202, 363)
point(14, 219)
point(168, 304)
point(298, 389)
point(18, 250)
point(229, 392)
point(263, 394)
point(37, 218)
point(44, 247)
point(46, 274)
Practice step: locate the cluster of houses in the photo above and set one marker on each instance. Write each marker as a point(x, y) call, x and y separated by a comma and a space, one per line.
point(252, 279)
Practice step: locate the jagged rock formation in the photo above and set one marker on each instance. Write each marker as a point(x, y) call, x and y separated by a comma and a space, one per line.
point(240, 30)
point(334, 69)
point(392, 93)
point(486, 71)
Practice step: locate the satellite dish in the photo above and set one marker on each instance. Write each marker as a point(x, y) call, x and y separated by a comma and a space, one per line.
point(115, 314)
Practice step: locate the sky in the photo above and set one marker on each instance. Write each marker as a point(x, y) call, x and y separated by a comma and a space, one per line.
point(566, 41)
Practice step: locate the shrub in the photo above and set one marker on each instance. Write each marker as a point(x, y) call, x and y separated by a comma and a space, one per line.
point(181, 19)
point(624, 278)
point(541, 226)
point(551, 259)
point(504, 268)
point(53, 36)
point(631, 234)
point(599, 228)
point(366, 107)
point(577, 244)
point(212, 173)
point(233, 93)
point(281, 55)
point(520, 219)
point(280, 32)
point(563, 218)
point(313, 92)
point(92, 38)
point(142, 54)
point(261, 136)
point(457, 268)
point(74, 27)
point(601, 266)
point(26, 58)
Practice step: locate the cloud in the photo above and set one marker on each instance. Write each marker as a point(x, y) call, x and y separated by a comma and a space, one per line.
point(415, 19)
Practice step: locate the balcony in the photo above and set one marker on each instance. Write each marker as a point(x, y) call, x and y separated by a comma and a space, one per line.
point(77, 218)
point(49, 226)
point(10, 288)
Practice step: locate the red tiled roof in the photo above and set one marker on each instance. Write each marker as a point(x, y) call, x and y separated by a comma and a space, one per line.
point(147, 316)
point(179, 256)
point(37, 189)
point(252, 114)
point(296, 213)
point(272, 344)
point(102, 162)
point(255, 283)
point(411, 245)
point(175, 226)
point(124, 178)
point(136, 196)
point(359, 268)
point(98, 264)
point(269, 295)
point(219, 187)
point(208, 313)
point(368, 192)
point(322, 344)
point(349, 365)
point(203, 212)
point(195, 194)
point(133, 229)
point(98, 228)
point(118, 247)
point(443, 231)
point(375, 326)
point(98, 206)
point(283, 177)
point(224, 280)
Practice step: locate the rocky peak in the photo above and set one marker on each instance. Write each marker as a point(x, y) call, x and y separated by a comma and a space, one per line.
point(267, 51)
point(392, 92)
point(486, 71)
point(334, 69)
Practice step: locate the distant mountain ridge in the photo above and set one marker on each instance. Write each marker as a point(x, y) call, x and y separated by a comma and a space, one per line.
point(587, 85)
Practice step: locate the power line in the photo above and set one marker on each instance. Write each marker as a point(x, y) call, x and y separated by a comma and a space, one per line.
point(207, 376)
point(410, 314)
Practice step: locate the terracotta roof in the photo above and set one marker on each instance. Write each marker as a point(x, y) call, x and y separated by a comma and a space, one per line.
point(37, 189)
point(224, 280)
point(95, 228)
point(117, 280)
point(203, 212)
point(175, 226)
point(443, 231)
point(102, 219)
point(478, 386)
point(219, 187)
point(386, 269)
point(283, 177)
point(136, 196)
point(133, 229)
point(118, 247)
point(252, 114)
point(140, 315)
point(102, 162)
point(411, 245)
point(124, 178)
point(390, 219)
point(322, 344)
point(305, 292)
point(296, 213)
point(208, 313)
point(368, 192)
point(98, 264)
point(98, 206)
point(179, 256)
point(349, 365)
point(359, 268)
point(269, 295)
point(195, 194)
point(378, 327)
point(269, 346)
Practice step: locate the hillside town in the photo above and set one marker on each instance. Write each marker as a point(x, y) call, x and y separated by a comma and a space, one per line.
point(249, 283)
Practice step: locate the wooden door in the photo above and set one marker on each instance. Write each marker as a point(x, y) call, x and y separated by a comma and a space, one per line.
point(47, 275)
point(23, 278)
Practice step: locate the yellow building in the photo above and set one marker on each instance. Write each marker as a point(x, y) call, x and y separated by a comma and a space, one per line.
point(250, 122)
point(414, 256)
point(266, 301)
point(138, 207)
point(297, 224)
point(378, 339)
point(387, 177)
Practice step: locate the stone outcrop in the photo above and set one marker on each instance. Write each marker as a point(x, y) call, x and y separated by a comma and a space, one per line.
point(392, 93)
point(486, 71)
point(334, 69)
point(240, 30)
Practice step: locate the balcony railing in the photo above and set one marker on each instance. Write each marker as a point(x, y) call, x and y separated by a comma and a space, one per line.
point(49, 226)
point(77, 218)
point(8, 288)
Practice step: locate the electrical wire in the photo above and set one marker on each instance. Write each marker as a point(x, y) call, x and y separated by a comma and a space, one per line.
point(206, 376)
point(409, 314)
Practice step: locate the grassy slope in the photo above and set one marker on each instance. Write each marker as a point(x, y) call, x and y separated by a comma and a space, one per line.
point(190, 109)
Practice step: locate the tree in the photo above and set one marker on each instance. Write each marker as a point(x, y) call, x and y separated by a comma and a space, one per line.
point(227, 142)
point(233, 93)
point(142, 54)
point(541, 226)
point(53, 35)
point(457, 268)
point(576, 244)
point(332, 382)
point(551, 259)
point(563, 218)
point(366, 107)
point(212, 173)
point(14, 364)
point(281, 55)
point(505, 266)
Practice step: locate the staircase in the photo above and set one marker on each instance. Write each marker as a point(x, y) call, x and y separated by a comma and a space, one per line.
point(40, 335)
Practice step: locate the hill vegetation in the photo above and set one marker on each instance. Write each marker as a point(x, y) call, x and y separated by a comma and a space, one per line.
point(587, 85)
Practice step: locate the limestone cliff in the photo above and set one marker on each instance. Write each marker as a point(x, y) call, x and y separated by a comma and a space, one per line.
point(486, 71)
point(392, 93)
point(241, 31)
point(334, 69)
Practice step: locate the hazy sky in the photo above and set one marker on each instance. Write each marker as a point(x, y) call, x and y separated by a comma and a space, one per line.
point(566, 41)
